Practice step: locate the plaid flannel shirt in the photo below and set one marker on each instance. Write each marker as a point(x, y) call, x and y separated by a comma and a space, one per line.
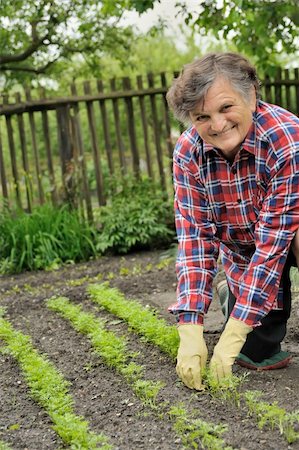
point(246, 211)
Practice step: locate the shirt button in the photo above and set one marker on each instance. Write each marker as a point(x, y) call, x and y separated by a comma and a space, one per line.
point(234, 171)
point(239, 200)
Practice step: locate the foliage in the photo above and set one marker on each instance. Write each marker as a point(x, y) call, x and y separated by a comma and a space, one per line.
point(43, 239)
point(262, 29)
point(34, 34)
point(50, 390)
point(137, 215)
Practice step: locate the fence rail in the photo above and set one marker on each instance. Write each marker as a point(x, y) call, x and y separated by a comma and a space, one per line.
point(68, 148)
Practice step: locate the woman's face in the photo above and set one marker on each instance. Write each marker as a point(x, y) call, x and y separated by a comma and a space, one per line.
point(224, 118)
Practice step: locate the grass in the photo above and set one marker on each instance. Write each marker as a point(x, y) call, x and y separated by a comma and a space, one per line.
point(143, 321)
point(49, 388)
point(4, 446)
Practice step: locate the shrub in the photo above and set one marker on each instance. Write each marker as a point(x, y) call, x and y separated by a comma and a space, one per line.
point(138, 215)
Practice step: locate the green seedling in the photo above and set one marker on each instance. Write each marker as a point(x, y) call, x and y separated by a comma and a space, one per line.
point(273, 416)
point(50, 390)
point(113, 351)
point(195, 431)
point(4, 446)
point(143, 321)
point(228, 389)
point(108, 346)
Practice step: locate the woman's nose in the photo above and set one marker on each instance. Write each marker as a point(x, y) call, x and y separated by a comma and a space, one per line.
point(217, 123)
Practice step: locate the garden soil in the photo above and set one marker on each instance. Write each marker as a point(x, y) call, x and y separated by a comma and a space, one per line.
point(101, 395)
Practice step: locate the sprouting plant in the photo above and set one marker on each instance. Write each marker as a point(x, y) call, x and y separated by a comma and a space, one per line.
point(195, 432)
point(142, 320)
point(272, 415)
point(147, 391)
point(50, 390)
point(228, 389)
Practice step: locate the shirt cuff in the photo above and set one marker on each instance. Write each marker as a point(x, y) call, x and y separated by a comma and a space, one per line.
point(190, 318)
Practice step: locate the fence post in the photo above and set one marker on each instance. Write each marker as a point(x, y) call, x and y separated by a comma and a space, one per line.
point(66, 154)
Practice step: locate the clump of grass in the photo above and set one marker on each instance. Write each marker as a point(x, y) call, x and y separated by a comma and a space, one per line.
point(50, 390)
point(195, 431)
point(44, 239)
point(143, 321)
point(273, 416)
point(108, 346)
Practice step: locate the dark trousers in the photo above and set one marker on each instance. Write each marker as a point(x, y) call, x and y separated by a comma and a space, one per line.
point(264, 341)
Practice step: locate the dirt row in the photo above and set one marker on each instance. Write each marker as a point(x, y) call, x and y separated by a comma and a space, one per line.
point(101, 395)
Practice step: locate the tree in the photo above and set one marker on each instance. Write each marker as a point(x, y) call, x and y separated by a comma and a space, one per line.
point(262, 29)
point(34, 34)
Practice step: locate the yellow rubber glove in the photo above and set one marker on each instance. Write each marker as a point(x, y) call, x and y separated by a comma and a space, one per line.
point(192, 355)
point(229, 346)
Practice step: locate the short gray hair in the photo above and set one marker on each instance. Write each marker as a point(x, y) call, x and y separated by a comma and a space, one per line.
point(196, 78)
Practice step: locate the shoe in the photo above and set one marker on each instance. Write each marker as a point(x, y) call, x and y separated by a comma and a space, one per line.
point(277, 361)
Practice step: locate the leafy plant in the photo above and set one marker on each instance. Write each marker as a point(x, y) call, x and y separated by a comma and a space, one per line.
point(138, 215)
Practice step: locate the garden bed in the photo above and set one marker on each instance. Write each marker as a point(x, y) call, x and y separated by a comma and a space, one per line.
point(126, 411)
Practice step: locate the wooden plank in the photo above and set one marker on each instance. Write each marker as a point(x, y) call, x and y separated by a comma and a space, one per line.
point(157, 136)
point(277, 87)
point(131, 128)
point(27, 174)
point(3, 176)
point(13, 157)
point(35, 152)
point(297, 92)
point(48, 104)
point(145, 130)
point(66, 154)
point(78, 143)
point(287, 90)
point(169, 142)
point(53, 187)
point(95, 148)
point(120, 142)
point(105, 124)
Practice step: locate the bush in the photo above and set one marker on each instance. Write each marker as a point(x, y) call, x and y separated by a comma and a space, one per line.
point(137, 216)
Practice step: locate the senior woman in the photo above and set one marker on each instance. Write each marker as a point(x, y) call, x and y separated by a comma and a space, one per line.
point(236, 180)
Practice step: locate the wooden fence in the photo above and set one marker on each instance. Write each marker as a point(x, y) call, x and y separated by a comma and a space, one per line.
point(69, 148)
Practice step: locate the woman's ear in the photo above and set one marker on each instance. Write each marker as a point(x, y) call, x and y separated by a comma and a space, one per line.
point(253, 99)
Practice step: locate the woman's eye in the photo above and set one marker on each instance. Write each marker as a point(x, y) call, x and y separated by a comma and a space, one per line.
point(201, 118)
point(227, 107)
